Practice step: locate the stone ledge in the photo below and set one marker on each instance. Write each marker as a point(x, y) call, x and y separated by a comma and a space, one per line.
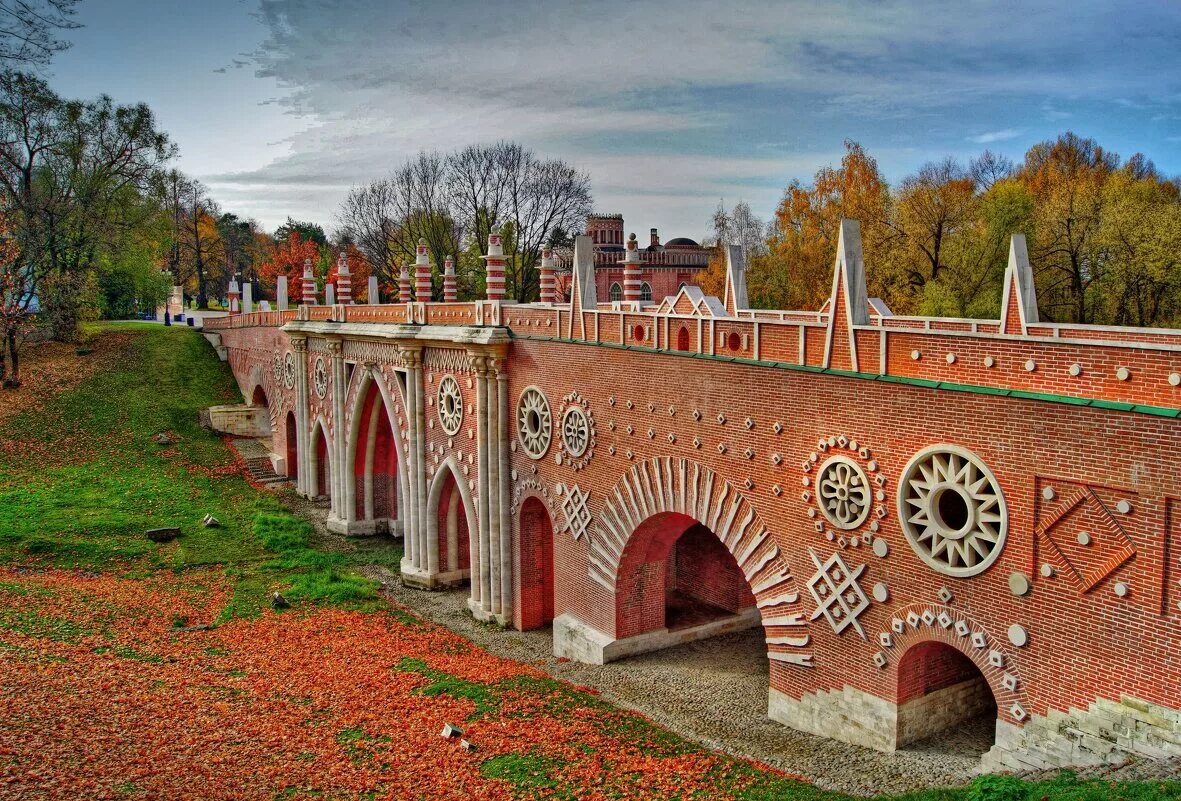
point(574, 639)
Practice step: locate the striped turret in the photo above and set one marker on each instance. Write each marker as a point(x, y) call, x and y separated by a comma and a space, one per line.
point(631, 271)
point(549, 277)
point(404, 285)
point(344, 280)
point(450, 294)
point(309, 284)
point(232, 295)
point(422, 273)
point(494, 267)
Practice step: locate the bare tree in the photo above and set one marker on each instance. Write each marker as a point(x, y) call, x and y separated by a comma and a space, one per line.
point(29, 29)
point(201, 248)
point(452, 202)
point(989, 168)
point(740, 226)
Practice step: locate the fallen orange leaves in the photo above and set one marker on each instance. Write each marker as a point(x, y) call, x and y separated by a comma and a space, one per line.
point(103, 698)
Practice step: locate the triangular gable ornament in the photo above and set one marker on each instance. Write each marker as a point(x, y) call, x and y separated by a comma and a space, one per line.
point(582, 286)
point(735, 294)
point(848, 302)
point(1019, 301)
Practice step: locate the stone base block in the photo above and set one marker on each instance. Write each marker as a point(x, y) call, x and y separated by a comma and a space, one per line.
point(849, 715)
point(574, 639)
point(361, 528)
point(240, 420)
point(1105, 733)
point(486, 617)
point(278, 464)
point(420, 579)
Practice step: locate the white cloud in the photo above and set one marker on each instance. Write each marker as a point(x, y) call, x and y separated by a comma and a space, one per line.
point(379, 80)
point(989, 137)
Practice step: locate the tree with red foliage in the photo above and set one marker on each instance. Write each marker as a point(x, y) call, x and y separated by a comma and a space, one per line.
point(288, 258)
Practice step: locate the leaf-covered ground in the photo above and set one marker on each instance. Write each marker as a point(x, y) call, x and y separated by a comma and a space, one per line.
point(135, 670)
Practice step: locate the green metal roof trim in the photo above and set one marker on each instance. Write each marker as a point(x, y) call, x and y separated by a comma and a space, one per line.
point(974, 389)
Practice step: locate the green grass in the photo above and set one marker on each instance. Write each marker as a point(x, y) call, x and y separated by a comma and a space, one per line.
point(96, 481)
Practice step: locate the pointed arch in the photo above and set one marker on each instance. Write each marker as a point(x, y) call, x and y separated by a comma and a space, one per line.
point(681, 492)
point(371, 392)
point(291, 446)
point(320, 460)
point(451, 560)
point(533, 550)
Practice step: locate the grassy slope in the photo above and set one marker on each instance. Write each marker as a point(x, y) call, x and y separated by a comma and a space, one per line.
point(86, 479)
point(81, 478)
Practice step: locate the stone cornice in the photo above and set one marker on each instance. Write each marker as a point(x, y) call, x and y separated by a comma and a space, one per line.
point(432, 334)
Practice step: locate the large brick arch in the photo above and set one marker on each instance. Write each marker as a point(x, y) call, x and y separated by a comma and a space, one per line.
point(357, 394)
point(676, 486)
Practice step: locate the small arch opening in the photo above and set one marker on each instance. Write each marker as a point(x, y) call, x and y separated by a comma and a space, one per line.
point(454, 542)
point(322, 469)
point(259, 398)
point(291, 446)
point(616, 292)
point(535, 545)
point(944, 702)
point(734, 341)
point(683, 338)
point(646, 292)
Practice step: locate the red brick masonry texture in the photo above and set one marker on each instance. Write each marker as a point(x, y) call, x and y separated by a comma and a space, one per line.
point(879, 484)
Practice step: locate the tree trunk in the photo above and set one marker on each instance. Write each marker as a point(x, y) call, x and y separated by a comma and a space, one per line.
point(13, 379)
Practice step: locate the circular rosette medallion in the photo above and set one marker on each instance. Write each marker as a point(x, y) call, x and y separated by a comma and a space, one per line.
point(320, 378)
point(952, 510)
point(843, 492)
point(289, 370)
point(577, 443)
point(534, 422)
point(450, 403)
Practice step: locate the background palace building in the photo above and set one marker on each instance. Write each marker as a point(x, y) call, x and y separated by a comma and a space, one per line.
point(927, 519)
point(665, 268)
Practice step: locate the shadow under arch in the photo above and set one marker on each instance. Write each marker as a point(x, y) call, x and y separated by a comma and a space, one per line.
point(320, 460)
point(533, 555)
point(656, 503)
point(450, 521)
point(946, 668)
point(366, 382)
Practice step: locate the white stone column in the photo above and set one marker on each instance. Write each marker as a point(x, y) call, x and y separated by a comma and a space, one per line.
point(302, 422)
point(492, 487)
point(479, 563)
point(339, 502)
point(505, 492)
point(416, 563)
point(374, 292)
point(247, 297)
point(420, 496)
point(410, 529)
point(281, 293)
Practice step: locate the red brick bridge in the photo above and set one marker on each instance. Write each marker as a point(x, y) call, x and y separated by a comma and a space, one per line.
point(929, 518)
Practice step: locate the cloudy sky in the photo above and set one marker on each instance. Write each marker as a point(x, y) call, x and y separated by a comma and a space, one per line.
point(281, 105)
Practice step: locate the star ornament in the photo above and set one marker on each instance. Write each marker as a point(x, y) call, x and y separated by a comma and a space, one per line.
point(953, 511)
